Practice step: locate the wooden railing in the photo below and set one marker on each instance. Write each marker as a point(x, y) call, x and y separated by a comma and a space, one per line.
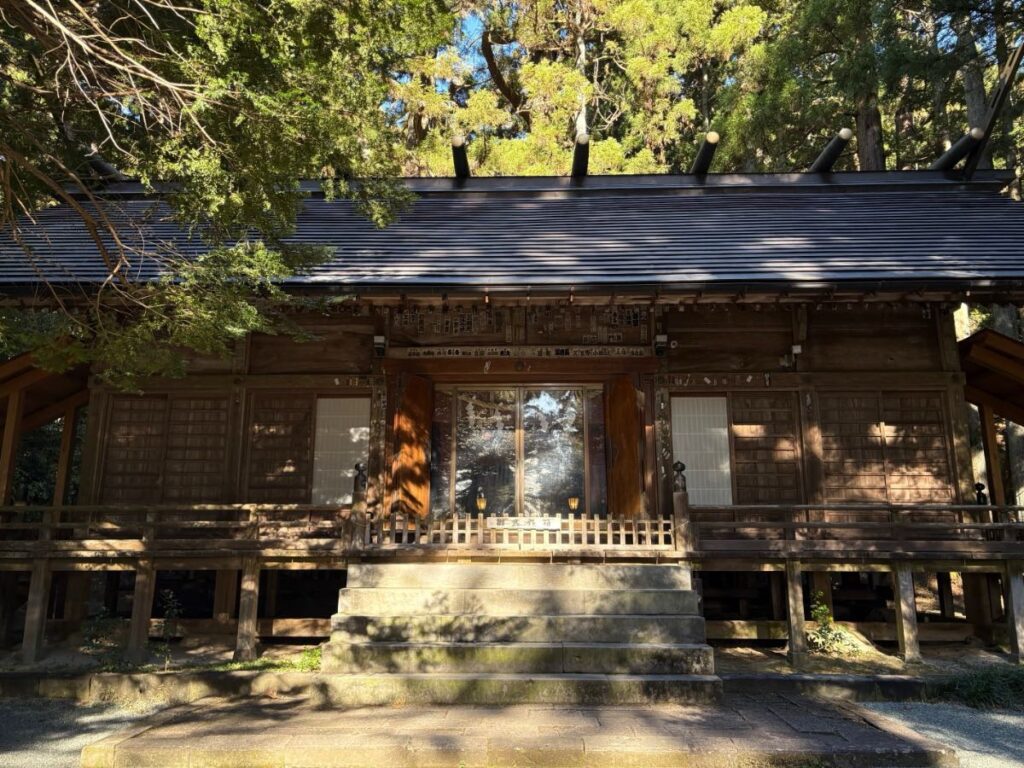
point(245, 527)
point(858, 529)
point(835, 531)
point(566, 531)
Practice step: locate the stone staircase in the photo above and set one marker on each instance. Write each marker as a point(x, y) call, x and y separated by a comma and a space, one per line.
point(489, 633)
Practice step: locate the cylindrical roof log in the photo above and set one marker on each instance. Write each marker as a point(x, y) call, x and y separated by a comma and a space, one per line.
point(960, 149)
point(459, 157)
point(706, 153)
point(581, 156)
point(824, 162)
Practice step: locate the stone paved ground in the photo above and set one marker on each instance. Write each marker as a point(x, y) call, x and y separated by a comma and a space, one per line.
point(982, 738)
point(743, 731)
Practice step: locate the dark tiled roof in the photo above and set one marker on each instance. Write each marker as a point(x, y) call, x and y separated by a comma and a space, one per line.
point(672, 231)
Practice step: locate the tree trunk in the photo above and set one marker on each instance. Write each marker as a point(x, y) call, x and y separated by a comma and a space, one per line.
point(940, 94)
point(870, 150)
point(1006, 319)
point(974, 85)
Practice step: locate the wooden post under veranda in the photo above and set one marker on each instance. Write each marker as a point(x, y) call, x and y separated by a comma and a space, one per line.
point(247, 644)
point(906, 613)
point(795, 605)
point(1015, 609)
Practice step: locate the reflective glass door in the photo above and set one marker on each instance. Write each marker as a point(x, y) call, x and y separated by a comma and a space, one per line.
point(533, 451)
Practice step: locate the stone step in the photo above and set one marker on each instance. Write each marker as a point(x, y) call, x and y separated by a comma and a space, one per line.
point(447, 576)
point(373, 601)
point(554, 658)
point(469, 628)
point(366, 690)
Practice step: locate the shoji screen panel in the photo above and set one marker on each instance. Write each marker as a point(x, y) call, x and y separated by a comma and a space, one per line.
point(342, 441)
point(700, 439)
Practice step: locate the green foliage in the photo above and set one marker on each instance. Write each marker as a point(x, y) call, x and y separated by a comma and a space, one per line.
point(204, 305)
point(231, 102)
point(310, 659)
point(826, 637)
point(777, 78)
point(103, 638)
point(996, 687)
point(223, 105)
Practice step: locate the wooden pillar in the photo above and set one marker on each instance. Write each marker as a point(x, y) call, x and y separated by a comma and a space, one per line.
point(797, 629)
point(821, 582)
point(996, 492)
point(978, 604)
point(142, 611)
point(35, 612)
point(67, 444)
point(906, 613)
point(225, 594)
point(76, 597)
point(1015, 609)
point(778, 587)
point(945, 589)
point(9, 443)
point(246, 647)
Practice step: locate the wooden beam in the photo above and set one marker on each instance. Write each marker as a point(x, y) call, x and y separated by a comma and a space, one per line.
point(24, 381)
point(9, 444)
point(247, 644)
point(797, 626)
point(46, 414)
point(142, 611)
point(906, 614)
point(990, 445)
point(16, 365)
point(994, 361)
point(35, 612)
point(1003, 407)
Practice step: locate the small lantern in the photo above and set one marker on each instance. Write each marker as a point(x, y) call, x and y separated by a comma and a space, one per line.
point(481, 500)
point(574, 503)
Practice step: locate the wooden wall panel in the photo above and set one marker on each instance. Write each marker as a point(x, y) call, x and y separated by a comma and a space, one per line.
point(853, 460)
point(889, 446)
point(337, 346)
point(728, 339)
point(195, 464)
point(916, 447)
point(766, 448)
point(136, 444)
point(879, 338)
point(280, 466)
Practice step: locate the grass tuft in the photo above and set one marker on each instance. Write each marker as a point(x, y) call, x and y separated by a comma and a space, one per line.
point(994, 688)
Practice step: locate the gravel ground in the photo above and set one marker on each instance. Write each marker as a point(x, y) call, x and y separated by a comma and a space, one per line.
point(36, 733)
point(982, 738)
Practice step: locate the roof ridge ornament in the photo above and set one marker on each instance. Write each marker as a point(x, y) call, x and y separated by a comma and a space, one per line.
point(706, 153)
point(832, 151)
